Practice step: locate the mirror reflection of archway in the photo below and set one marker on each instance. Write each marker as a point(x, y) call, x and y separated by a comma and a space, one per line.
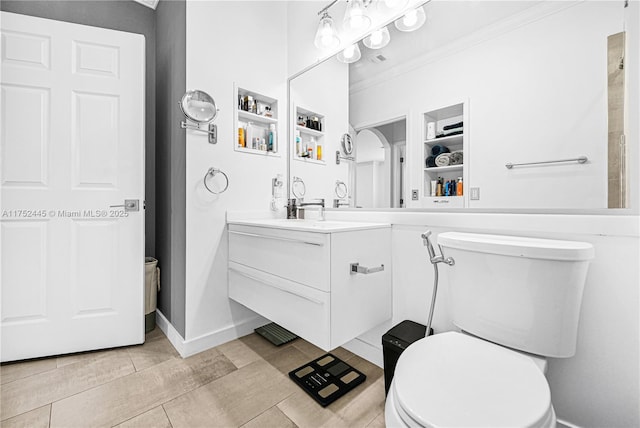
point(379, 172)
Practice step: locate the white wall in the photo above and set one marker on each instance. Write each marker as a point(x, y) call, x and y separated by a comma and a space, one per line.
point(227, 42)
point(536, 92)
point(598, 387)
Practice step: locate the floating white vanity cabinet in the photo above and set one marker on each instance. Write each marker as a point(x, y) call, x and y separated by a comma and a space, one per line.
point(300, 276)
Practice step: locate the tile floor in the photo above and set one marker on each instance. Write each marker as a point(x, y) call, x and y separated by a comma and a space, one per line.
point(242, 383)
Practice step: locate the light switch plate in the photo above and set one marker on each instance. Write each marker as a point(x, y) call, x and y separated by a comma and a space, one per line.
point(414, 194)
point(475, 194)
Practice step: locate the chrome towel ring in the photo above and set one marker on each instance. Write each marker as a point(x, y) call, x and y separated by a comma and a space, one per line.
point(212, 173)
point(298, 188)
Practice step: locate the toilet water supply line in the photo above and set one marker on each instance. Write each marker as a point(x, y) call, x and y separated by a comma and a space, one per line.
point(434, 261)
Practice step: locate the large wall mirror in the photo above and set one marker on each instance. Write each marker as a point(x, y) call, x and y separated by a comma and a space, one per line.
point(489, 105)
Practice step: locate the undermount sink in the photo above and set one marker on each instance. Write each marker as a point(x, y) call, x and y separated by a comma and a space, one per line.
point(322, 226)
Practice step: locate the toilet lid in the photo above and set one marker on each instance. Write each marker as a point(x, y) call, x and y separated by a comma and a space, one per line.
point(451, 379)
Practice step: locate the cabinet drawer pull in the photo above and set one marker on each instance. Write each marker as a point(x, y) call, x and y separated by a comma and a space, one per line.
point(356, 268)
point(278, 238)
point(262, 281)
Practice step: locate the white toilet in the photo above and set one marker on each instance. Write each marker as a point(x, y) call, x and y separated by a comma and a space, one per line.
point(516, 300)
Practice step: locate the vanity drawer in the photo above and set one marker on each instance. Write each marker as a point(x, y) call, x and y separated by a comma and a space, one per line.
point(302, 257)
point(303, 310)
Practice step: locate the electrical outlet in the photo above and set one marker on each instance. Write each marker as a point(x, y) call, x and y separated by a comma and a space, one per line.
point(475, 194)
point(414, 194)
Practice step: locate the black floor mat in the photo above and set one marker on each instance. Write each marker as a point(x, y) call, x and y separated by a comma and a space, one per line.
point(327, 378)
point(275, 334)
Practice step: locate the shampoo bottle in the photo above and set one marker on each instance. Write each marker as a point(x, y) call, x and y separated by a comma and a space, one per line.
point(298, 144)
point(459, 191)
point(273, 141)
point(241, 137)
point(248, 137)
point(312, 148)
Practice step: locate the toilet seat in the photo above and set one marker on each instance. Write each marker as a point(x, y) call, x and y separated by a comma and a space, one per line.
point(454, 380)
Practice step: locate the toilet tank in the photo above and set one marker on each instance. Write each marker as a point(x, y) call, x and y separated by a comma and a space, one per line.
point(523, 293)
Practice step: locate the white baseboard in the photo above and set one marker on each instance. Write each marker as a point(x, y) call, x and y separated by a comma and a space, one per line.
point(187, 348)
point(363, 349)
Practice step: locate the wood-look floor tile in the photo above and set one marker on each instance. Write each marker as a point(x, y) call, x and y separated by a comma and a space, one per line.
point(137, 393)
point(287, 359)
point(239, 353)
point(85, 357)
point(35, 391)
point(260, 345)
point(38, 418)
point(154, 418)
point(342, 353)
point(378, 422)
point(314, 352)
point(272, 418)
point(362, 409)
point(155, 350)
point(21, 369)
point(233, 400)
point(311, 350)
point(305, 412)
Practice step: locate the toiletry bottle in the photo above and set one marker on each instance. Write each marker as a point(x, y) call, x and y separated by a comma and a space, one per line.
point(439, 187)
point(434, 184)
point(459, 191)
point(248, 135)
point(447, 188)
point(241, 142)
point(312, 147)
point(319, 151)
point(298, 144)
point(272, 138)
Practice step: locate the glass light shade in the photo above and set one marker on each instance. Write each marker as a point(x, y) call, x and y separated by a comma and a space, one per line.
point(387, 5)
point(377, 39)
point(412, 20)
point(350, 54)
point(355, 17)
point(326, 36)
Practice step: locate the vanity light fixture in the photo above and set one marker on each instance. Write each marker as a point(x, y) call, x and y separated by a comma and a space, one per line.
point(412, 20)
point(349, 54)
point(377, 39)
point(386, 5)
point(355, 17)
point(326, 36)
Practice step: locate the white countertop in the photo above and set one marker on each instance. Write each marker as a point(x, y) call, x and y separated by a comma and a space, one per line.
point(319, 226)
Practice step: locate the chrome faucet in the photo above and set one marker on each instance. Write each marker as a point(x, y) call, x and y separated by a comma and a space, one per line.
point(292, 209)
point(319, 203)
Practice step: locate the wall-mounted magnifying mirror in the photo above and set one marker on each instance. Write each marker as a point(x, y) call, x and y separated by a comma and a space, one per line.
point(347, 144)
point(199, 108)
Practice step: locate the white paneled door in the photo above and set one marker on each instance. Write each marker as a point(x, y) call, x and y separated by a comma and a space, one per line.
point(72, 266)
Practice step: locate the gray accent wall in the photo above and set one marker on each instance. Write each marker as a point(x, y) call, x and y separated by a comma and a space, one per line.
point(123, 16)
point(171, 82)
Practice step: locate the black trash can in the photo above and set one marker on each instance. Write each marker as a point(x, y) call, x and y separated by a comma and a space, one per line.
point(394, 342)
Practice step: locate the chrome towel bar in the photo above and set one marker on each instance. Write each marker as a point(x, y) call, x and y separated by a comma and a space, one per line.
point(580, 159)
point(356, 268)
